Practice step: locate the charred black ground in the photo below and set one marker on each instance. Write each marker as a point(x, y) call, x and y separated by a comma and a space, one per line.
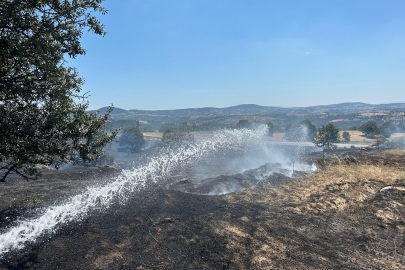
point(278, 223)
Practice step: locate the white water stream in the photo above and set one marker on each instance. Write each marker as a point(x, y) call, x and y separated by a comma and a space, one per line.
point(122, 188)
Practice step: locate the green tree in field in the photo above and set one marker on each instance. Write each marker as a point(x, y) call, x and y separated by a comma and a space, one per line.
point(370, 129)
point(132, 138)
point(311, 129)
point(326, 136)
point(243, 123)
point(43, 117)
point(174, 136)
point(270, 129)
point(184, 127)
point(303, 131)
point(169, 135)
point(352, 127)
point(346, 136)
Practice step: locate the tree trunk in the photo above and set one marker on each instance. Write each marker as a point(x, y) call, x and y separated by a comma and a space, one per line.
point(3, 179)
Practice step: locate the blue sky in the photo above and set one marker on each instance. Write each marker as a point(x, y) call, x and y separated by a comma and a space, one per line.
point(187, 54)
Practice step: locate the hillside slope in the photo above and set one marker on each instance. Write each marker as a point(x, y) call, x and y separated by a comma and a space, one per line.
point(256, 109)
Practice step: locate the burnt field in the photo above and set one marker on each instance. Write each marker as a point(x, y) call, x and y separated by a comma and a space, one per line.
point(349, 214)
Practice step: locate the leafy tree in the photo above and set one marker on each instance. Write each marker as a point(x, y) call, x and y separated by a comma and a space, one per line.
point(346, 136)
point(311, 129)
point(326, 136)
point(184, 128)
point(132, 138)
point(303, 131)
point(270, 128)
point(352, 127)
point(173, 136)
point(370, 129)
point(243, 123)
point(168, 135)
point(42, 120)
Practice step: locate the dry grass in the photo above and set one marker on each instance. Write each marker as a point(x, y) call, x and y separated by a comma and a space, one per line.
point(338, 120)
point(397, 135)
point(356, 137)
point(340, 186)
point(349, 216)
point(359, 137)
point(152, 134)
point(372, 114)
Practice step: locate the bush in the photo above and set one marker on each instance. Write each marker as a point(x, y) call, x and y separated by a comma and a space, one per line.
point(346, 136)
point(132, 138)
point(172, 136)
point(243, 123)
point(270, 128)
point(352, 128)
point(303, 131)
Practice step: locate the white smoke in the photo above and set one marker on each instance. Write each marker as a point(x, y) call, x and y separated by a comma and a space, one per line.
point(122, 188)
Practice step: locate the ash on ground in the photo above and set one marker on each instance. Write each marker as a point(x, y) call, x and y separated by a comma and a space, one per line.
point(270, 173)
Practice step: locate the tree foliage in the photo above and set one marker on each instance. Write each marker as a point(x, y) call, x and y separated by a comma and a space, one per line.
point(270, 128)
point(172, 136)
point(303, 131)
point(370, 129)
point(132, 137)
point(243, 123)
point(326, 136)
point(43, 117)
point(346, 136)
point(168, 135)
point(352, 127)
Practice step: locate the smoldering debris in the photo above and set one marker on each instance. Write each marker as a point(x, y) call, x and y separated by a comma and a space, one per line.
point(269, 173)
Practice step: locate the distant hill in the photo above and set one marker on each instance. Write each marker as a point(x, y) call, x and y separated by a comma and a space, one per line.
point(249, 109)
